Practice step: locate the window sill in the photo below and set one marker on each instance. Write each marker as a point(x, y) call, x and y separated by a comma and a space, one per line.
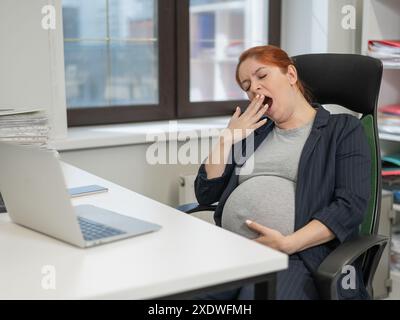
point(139, 133)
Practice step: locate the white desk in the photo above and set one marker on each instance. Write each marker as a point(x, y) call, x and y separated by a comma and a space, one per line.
point(185, 255)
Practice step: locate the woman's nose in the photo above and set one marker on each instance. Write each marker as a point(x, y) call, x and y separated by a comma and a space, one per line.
point(255, 91)
point(256, 87)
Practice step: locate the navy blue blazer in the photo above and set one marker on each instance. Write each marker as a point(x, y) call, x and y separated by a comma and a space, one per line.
point(333, 183)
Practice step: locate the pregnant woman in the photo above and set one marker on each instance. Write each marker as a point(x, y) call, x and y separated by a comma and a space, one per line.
point(304, 188)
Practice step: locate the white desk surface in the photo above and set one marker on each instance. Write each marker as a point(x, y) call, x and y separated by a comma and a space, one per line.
point(186, 254)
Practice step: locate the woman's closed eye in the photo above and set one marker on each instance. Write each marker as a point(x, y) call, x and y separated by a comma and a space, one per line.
point(246, 86)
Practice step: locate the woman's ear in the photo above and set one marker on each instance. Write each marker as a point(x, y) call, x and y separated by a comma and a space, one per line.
point(292, 74)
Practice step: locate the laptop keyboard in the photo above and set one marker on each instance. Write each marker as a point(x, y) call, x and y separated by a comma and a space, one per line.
point(93, 230)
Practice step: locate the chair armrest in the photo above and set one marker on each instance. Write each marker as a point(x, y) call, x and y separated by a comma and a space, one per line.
point(331, 268)
point(195, 207)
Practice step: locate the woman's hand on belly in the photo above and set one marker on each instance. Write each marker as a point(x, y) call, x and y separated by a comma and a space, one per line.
point(312, 234)
point(271, 238)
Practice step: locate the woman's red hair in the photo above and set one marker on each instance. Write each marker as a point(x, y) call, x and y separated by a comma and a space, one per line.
point(271, 55)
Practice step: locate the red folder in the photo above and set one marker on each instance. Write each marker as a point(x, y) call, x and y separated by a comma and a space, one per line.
point(390, 109)
point(393, 172)
point(392, 43)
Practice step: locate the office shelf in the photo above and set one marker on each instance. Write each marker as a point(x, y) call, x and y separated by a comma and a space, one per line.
point(391, 67)
point(389, 137)
point(381, 20)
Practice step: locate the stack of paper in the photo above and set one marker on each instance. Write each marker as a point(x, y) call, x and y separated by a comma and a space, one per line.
point(386, 50)
point(389, 119)
point(28, 127)
point(391, 165)
point(391, 175)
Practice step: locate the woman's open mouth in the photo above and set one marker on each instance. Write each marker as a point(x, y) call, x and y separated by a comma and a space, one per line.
point(269, 101)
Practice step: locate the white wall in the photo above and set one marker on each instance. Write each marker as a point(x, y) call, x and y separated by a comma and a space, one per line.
point(303, 26)
point(32, 61)
point(344, 40)
point(314, 26)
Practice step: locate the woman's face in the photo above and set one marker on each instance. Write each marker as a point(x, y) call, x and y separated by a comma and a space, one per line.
point(268, 80)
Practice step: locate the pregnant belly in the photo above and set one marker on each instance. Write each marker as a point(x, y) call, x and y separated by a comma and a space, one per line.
point(268, 200)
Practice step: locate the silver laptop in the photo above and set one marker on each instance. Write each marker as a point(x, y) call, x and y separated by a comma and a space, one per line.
point(35, 194)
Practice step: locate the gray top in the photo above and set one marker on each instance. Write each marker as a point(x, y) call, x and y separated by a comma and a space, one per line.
point(267, 194)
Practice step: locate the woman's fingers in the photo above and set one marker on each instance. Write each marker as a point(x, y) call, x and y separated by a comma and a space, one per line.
point(237, 112)
point(249, 118)
point(260, 113)
point(254, 106)
point(258, 104)
point(259, 124)
point(235, 115)
point(255, 226)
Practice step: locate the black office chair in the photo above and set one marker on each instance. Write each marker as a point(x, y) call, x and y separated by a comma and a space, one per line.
point(351, 81)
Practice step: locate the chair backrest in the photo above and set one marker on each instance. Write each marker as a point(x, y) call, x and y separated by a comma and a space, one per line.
point(352, 81)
